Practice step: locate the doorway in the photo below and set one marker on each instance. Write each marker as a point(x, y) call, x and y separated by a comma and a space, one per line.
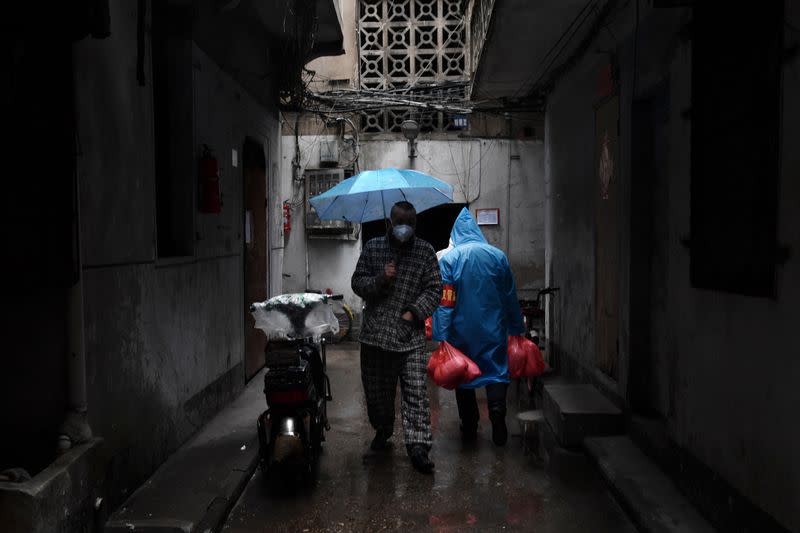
point(606, 165)
point(256, 246)
point(40, 235)
point(651, 366)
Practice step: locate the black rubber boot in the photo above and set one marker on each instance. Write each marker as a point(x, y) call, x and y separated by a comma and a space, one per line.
point(469, 431)
point(499, 429)
point(420, 460)
point(381, 441)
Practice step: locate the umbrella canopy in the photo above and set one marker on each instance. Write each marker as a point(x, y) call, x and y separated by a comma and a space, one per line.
point(371, 194)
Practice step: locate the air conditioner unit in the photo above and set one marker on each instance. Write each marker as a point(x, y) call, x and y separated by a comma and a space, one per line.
point(317, 182)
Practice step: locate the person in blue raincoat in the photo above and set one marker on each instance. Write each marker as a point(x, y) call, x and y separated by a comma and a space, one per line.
point(478, 311)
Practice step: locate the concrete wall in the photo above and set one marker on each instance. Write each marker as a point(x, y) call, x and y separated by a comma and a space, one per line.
point(345, 66)
point(164, 338)
point(732, 393)
point(485, 173)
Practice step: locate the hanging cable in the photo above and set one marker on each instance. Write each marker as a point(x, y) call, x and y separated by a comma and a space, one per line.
point(634, 77)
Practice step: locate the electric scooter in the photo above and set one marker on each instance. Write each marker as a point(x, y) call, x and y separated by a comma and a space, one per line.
point(296, 386)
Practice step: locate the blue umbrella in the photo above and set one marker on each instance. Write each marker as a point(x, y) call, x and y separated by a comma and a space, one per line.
point(371, 194)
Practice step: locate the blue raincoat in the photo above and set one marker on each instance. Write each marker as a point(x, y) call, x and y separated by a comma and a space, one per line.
point(480, 307)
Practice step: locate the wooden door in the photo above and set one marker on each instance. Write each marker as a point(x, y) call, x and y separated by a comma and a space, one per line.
point(606, 165)
point(256, 257)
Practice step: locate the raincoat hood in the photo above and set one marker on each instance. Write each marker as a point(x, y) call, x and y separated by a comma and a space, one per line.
point(466, 230)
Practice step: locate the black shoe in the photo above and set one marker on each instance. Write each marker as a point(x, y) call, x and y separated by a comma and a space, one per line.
point(499, 429)
point(420, 459)
point(469, 432)
point(381, 441)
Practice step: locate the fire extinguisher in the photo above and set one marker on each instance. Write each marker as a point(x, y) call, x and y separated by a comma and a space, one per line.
point(210, 198)
point(287, 218)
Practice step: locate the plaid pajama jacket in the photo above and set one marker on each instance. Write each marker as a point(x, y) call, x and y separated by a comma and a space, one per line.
point(392, 348)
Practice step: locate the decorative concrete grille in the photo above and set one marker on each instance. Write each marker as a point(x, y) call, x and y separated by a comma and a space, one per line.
point(408, 45)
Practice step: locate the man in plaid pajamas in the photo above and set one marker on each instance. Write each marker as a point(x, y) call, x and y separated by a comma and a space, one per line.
point(398, 278)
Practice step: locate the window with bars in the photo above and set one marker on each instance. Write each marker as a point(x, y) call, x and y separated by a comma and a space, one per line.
point(411, 45)
point(317, 182)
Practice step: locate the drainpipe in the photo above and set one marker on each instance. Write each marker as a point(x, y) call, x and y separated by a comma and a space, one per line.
point(298, 179)
point(508, 188)
point(75, 428)
point(308, 268)
point(548, 242)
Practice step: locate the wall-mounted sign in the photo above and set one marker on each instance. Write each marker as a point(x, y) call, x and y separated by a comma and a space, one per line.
point(488, 217)
point(460, 122)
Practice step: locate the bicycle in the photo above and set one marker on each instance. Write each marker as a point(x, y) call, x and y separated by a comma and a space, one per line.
point(346, 317)
point(534, 313)
point(344, 314)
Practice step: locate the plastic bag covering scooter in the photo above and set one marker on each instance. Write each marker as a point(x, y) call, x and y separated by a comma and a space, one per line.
point(291, 317)
point(449, 368)
point(296, 386)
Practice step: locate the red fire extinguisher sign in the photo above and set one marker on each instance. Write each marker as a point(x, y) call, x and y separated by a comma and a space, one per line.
point(210, 198)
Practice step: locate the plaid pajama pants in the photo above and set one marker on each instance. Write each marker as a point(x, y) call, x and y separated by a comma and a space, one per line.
point(380, 370)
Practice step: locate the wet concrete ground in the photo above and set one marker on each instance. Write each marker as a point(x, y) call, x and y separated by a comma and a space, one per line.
point(476, 487)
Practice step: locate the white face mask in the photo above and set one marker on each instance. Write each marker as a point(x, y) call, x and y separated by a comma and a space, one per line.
point(402, 232)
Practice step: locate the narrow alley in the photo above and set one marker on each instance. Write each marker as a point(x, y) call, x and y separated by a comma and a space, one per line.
point(476, 486)
point(585, 212)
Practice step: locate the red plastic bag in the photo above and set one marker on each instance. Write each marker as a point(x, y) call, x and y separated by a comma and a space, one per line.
point(516, 358)
point(524, 358)
point(449, 368)
point(429, 328)
point(535, 365)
